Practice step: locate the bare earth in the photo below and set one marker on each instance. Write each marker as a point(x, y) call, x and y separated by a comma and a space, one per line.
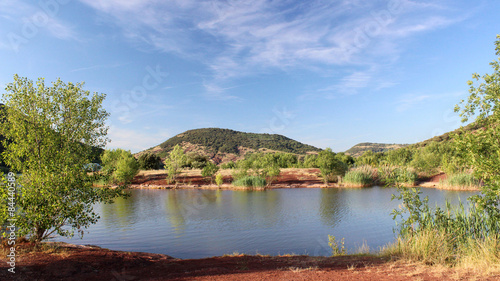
point(69, 262)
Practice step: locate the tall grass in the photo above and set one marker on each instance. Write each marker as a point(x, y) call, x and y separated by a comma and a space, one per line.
point(394, 175)
point(462, 181)
point(450, 236)
point(250, 181)
point(362, 176)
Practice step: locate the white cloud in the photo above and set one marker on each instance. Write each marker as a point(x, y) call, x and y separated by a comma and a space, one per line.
point(410, 101)
point(134, 140)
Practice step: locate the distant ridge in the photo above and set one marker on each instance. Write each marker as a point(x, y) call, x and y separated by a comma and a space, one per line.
point(361, 148)
point(224, 144)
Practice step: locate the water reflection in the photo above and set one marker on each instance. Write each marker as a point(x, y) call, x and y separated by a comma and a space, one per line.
point(203, 223)
point(333, 206)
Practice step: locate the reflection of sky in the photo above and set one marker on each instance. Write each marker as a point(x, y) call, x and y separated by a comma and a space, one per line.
point(201, 223)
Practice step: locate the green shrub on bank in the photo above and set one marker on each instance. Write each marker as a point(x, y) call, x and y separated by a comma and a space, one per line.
point(364, 175)
point(448, 236)
point(250, 181)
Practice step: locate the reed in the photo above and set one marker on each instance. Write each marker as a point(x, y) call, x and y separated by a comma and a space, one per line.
point(360, 176)
point(250, 181)
point(451, 236)
point(462, 181)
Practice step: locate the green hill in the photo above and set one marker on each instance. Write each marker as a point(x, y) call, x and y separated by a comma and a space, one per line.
point(221, 142)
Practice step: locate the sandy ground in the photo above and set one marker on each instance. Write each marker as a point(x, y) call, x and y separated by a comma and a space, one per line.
point(60, 261)
point(289, 178)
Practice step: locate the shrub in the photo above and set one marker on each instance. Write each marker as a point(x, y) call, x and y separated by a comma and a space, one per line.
point(219, 179)
point(149, 161)
point(250, 181)
point(228, 165)
point(209, 171)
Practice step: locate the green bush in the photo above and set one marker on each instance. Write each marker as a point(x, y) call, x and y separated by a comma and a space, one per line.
point(209, 171)
point(250, 181)
point(149, 161)
point(228, 165)
point(119, 166)
point(219, 179)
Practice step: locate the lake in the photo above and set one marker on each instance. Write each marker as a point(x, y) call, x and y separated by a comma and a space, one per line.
point(188, 223)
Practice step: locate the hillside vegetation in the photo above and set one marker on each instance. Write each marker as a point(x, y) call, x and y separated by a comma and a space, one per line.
point(224, 141)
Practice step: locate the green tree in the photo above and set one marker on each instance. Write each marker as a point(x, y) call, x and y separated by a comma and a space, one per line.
point(51, 131)
point(149, 161)
point(119, 166)
point(209, 171)
point(481, 148)
point(174, 162)
point(330, 167)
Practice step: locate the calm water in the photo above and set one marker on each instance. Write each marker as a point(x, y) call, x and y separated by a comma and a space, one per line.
point(204, 223)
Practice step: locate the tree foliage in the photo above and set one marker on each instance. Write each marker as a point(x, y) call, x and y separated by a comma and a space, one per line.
point(149, 161)
point(481, 148)
point(330, 166)
point(209, 171)
point(119, 166)
point(174, 162)
point(51, 131)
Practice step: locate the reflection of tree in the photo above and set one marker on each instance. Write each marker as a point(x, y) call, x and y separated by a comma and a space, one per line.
point(121, 213)
point(184, 205)
point(261, 206)
point(332, 206)
point(124, 212)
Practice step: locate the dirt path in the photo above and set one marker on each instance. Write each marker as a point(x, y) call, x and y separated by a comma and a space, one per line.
point(69, 262)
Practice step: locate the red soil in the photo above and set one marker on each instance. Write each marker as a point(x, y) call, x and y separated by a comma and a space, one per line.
point(70, 262)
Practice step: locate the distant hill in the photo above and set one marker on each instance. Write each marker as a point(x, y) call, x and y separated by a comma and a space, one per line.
point(446, 136)
point(360, 148)
point(223, 144)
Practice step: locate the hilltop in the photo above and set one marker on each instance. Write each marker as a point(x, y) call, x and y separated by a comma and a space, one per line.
point(360, 148)
point(223, 145)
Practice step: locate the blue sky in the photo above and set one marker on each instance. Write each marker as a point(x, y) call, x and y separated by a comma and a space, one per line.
point(326, 73)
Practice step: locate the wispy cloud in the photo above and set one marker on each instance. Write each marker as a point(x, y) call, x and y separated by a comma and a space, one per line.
point(408, 102)
point(102, 66)
point(34, 19)
point(236, 38)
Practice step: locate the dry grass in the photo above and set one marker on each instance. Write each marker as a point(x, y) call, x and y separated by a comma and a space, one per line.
point(299, 269)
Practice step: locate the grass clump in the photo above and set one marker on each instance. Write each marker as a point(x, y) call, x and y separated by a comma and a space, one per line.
point(462, 181)
point(362, 176)
point(250, 181)
point(394, 175)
